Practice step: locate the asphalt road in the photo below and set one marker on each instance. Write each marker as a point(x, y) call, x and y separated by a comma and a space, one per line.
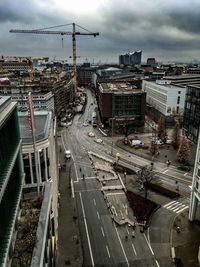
point(104, 243)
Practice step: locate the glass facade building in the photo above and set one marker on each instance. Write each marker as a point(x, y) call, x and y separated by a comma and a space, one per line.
point(11, 175)
point(191, 121)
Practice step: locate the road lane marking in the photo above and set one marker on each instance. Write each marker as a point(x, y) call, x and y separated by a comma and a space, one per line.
point(157, 263)
point(86, 228)
point(149, 245)
point(121, 246)
point(98, 215)
point(108, 251)
point(164, 206)
point(182, 209)
point(72, 188)
point(94, 202)
point(102, 231)
point(88, 177)
point(173, 207)
point(165, 171)
point(134, 249)
point(179, 206)
point(127, 230)
point(112, 194)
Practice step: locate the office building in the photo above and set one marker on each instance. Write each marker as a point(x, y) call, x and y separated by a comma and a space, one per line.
point(122, 102)
point(164, 99)
point(136, 58)
point(195, 189)
point(191, 120)
point(11, 177)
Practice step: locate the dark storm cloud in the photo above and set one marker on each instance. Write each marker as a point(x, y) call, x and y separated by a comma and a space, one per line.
point(156, 27)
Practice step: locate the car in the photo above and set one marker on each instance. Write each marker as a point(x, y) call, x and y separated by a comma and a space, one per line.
point(99, 141)
point(85, 124)
point(67, 154)
point(63, 124)
point(158, 141)
point(169, 141)
point(91, 134)
point(184, 168)
point(69, 123)
point(137, 143)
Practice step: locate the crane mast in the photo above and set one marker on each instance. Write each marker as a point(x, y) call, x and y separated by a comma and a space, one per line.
point(73, 34)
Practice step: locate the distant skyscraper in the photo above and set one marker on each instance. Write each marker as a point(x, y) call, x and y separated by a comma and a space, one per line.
point(131, 58)
point(136, 57)
point(121, 59)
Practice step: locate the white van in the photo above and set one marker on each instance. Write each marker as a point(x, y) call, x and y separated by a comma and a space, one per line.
point(67, 154)
point(137, 143)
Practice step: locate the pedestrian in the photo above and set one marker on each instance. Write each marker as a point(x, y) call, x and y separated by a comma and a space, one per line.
point(133, 234)
point(178, 229)
point(80, 169)
point(83, 176)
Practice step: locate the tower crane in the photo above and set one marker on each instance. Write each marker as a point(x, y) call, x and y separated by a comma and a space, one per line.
point(73, 34)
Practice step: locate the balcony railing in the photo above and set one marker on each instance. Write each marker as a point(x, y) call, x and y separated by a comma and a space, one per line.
point(5, 172)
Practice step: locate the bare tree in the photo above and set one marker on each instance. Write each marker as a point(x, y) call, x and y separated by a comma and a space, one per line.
point(153, 148)
point(161, 129)
point(176, 135)
point(146, 175)
point(183, 151)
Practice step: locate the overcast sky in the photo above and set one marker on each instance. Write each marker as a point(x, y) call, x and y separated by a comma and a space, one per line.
point(167, 30)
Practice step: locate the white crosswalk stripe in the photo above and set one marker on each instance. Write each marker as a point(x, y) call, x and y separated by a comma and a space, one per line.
point(176, 206)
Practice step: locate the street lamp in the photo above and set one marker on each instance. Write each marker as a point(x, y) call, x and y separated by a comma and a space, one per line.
point(112, 138)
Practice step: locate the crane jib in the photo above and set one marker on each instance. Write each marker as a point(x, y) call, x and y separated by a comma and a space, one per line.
point(53, 32)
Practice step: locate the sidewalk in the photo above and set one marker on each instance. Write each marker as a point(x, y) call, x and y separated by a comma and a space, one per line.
point(187, 242)
point(69, 251)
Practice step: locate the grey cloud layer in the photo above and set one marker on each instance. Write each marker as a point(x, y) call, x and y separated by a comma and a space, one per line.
point(156, 27)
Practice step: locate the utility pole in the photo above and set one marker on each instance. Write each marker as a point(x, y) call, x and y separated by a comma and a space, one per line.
point(112, 138)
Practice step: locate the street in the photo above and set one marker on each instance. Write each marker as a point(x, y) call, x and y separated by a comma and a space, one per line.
point(104, 242)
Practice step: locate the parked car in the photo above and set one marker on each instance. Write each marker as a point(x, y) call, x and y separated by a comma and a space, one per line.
point(63, 124)
point(184, 168)
point(169, 141)
point(137, 143)
point(158, 141)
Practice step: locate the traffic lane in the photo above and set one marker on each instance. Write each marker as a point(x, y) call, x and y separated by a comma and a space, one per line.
point(95, 231)
point(160, 230)
point(116, 249)
point(132, 247)
point(181, 183)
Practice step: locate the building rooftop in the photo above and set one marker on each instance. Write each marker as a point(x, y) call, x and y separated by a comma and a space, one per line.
point(6, 106)
point(42, 124)
point(119, 88)
point(196, 85)
point(182, 77)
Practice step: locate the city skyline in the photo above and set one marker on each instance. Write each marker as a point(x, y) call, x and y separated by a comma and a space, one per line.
point(167, 31)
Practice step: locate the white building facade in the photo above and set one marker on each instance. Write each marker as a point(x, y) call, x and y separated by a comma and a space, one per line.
point(46, 153)
point(166, 98)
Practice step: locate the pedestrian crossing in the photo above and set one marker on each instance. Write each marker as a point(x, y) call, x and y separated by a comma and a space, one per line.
point(176, 206)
